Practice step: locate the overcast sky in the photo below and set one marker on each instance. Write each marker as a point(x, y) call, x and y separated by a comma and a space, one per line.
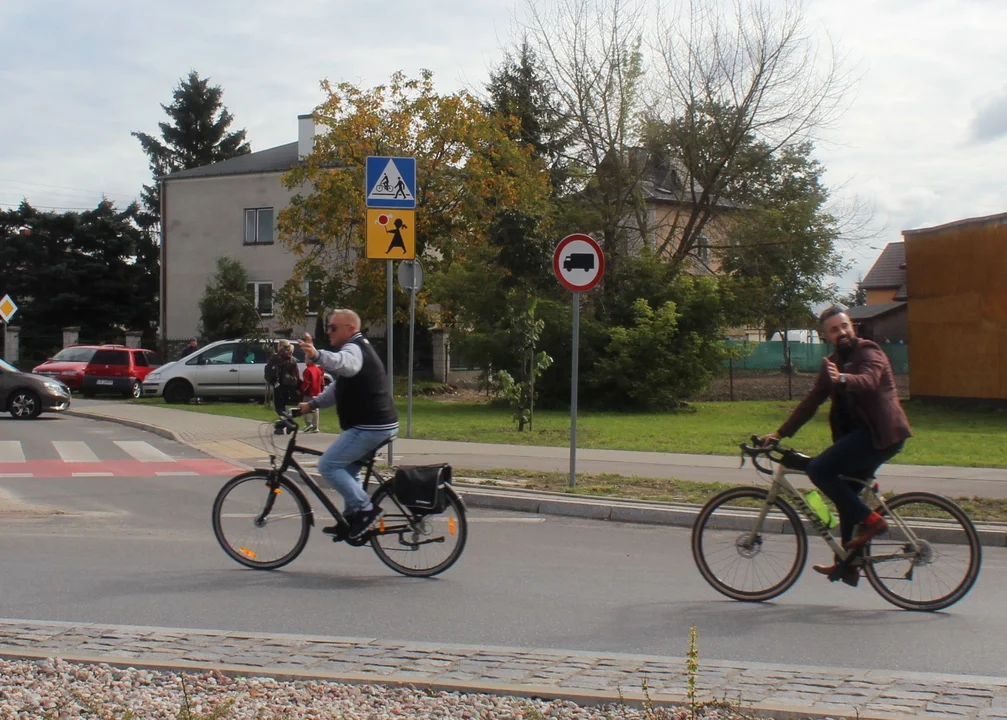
point(923, 141)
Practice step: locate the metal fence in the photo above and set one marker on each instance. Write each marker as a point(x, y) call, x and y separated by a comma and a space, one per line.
point(778, 371)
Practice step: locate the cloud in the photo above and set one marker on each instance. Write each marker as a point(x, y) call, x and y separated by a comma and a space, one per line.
point(990, 122)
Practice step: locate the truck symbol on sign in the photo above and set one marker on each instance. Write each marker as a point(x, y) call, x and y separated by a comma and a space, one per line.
point(579, 261)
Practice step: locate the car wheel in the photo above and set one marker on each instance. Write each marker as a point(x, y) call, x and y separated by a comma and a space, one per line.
point(178, 392)
point(24, 405)
point(135, 390)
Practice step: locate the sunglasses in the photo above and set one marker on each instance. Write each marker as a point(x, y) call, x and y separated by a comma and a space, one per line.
point(333, 326)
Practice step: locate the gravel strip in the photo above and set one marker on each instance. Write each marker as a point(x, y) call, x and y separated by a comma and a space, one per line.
point(58, 690)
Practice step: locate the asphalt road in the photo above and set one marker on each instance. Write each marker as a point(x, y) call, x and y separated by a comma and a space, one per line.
point(140, 550)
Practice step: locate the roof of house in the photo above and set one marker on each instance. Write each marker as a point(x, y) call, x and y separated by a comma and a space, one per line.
point(276, 159)
point(889, 270)
point(999, 219)
point(868, 312)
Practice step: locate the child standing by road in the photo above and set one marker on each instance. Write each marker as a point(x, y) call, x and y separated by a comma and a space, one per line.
point(310, 387)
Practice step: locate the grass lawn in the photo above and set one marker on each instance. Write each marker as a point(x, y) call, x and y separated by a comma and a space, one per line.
point(943, 436)
point(681, 491)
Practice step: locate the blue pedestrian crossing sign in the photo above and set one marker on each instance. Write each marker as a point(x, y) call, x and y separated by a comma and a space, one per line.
point(391, 182)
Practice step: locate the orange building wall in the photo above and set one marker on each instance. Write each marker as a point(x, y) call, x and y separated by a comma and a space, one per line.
point(878, 297)
point(956, 280)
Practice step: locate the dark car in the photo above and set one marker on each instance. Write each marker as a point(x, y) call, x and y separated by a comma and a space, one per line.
point(68, 365)
point(25, 395)
point(118, 369)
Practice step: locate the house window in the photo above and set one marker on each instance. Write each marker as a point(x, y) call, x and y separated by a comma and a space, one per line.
point(703, 248)
point(261, 295)
point(313, 289)
point(259, 226)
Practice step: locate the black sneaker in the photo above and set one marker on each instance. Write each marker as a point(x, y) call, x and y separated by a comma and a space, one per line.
point(362, 521)
point(338, 532)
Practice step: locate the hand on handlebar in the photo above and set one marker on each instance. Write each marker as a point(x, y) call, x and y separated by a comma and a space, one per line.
point(771, 439)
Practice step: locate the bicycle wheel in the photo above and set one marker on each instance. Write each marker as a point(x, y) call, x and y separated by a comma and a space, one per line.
point(939, 572)
point(261, 528)
point(419, 546)
point(738, 565)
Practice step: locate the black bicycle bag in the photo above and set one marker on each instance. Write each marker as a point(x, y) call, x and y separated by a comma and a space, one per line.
point(421, 488)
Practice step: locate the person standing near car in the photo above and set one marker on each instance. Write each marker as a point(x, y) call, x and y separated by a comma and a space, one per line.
point(367, 414)
point(282, 373)
point(311, 387)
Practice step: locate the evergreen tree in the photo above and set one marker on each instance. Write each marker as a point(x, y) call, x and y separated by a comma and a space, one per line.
point(196, 135)
point(519, 90)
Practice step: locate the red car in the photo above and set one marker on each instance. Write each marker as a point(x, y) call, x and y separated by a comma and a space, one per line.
point(118, 369)
point(68, 365)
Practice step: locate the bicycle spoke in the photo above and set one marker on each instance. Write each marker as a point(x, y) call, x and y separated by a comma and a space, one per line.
point(929, 563)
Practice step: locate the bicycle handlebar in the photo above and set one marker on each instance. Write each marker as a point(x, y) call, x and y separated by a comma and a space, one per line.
point(758, 448)
point(286, 421)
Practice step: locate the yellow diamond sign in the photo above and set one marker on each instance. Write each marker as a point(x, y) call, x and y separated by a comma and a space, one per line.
point(7, 308)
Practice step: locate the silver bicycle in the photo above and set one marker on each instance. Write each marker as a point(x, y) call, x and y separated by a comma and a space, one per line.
point(751, 544)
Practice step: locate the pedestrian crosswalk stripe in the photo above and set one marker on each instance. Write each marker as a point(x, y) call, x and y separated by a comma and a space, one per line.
point(143, 451)
point(10, 451)
point(174, 473)
point(16, 475)
point(92, 474)
point(74, 451)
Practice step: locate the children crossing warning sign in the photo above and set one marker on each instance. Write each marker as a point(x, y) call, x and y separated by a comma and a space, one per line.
point(391, 235)
point(391, 182)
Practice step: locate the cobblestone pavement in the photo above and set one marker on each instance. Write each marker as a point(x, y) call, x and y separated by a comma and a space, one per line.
point(780, 690)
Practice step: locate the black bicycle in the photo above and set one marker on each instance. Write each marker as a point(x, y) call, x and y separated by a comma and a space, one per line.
point(262, 518)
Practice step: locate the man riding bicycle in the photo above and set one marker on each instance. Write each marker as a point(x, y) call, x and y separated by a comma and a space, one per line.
point(869, 427)
point(367, 414)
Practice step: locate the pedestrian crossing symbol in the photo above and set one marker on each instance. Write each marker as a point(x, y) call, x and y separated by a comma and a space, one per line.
point(391, 182)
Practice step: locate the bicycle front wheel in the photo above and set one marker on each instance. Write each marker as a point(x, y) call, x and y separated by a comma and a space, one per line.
point(419, 546)
point(740, 561)
point(929, 557)
point(260, 527)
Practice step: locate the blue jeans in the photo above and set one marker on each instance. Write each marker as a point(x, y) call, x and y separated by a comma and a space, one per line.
point(341, 463)
point(852, 454)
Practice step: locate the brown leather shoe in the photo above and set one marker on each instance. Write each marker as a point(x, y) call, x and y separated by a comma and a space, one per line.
point(824, 569)
point(868, 531)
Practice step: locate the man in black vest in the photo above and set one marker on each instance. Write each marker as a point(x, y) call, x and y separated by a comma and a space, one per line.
point(366, 412)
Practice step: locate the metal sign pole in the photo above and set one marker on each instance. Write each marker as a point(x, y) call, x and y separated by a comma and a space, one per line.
point(573, 389)
point(412, 340)
point(388, 337)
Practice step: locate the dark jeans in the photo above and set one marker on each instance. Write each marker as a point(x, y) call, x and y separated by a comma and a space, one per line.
point(852, 454)
point(283, 396)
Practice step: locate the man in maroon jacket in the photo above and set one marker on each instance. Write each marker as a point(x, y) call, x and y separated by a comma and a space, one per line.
point(868, 425)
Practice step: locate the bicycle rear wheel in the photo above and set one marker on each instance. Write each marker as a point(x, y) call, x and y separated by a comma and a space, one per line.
point(261, 528)
point(419, 546)
point(941, 570)
point(738, 565)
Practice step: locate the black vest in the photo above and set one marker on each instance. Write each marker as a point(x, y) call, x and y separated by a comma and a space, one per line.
point(363, 401)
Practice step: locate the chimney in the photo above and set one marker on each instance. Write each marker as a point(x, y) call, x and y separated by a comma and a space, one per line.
point(305, 135)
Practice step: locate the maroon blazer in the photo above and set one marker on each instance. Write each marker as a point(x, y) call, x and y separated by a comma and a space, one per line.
point(871, 383)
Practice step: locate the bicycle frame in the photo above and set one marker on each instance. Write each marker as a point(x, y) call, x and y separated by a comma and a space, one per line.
point(289, 461)
point(781, 486)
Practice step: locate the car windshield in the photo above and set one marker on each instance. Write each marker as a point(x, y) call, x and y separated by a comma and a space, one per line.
point(7, 367)
point(80, 354)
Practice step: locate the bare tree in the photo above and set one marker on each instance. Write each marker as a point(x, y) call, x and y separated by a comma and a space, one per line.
point(734, 88)
point(591, 55)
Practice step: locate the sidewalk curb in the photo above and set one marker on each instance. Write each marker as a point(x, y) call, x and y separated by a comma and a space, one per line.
point(538, 501)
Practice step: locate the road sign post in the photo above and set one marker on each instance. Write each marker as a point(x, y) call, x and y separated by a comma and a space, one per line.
point(411, 279)
point(390, 196)
point(579, 265)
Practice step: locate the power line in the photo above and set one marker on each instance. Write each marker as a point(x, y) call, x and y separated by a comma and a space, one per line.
point(63, 187)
